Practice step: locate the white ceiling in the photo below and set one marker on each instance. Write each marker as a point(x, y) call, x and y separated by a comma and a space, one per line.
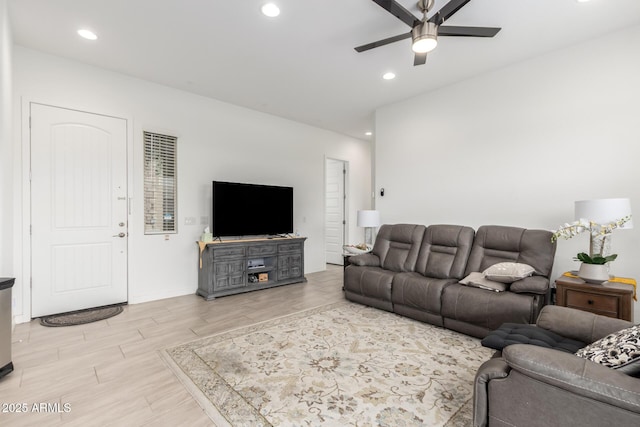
point(302, 65)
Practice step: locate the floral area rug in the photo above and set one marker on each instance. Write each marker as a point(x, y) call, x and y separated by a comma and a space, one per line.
point(338, 365)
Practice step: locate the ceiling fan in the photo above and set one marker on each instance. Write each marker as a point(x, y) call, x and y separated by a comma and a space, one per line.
point(424, 32)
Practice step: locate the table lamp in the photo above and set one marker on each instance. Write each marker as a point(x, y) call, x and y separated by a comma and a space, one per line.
point(368, 219)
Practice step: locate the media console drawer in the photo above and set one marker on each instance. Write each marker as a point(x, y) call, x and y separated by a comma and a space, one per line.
point(236, 266)
point(229, 252)
point(289, 247)
point(261, 250)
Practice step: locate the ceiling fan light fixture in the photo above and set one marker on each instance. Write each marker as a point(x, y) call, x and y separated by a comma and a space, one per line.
point(425, 37)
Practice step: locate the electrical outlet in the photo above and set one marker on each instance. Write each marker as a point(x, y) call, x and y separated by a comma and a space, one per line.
point(204, 220)
point(190, 220)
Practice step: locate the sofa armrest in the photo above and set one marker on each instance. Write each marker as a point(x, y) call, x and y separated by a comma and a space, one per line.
point(365, 260)
point(531, 285)
point(575, 375)
point(495, 368)
point(577, 324)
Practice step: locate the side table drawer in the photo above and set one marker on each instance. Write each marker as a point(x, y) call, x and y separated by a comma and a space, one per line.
point(601, 304)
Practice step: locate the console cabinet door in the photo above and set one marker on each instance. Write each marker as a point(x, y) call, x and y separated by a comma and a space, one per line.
point(229, 274)
point(289, 266)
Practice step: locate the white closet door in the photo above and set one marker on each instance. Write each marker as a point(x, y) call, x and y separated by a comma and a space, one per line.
point(335, 176)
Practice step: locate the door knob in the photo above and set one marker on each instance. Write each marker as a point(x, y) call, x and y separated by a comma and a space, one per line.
point(120, 235)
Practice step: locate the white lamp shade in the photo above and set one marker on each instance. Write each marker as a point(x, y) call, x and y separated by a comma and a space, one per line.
point(604, 211)
point(368, 218)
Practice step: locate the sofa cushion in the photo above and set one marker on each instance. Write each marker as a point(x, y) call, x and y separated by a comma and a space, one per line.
point(444, 251)
point(532, 285)
point(362, 260)
point(495, 243)
point(619, 350)
point(487, 310)
point(416, 291)
point(397, 246)
point(514, 333)
point(373, 282)
point(478, 280)
point(508, 272)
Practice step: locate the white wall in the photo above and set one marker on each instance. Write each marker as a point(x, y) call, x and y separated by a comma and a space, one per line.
point(518, 146)
point(217, 141)
point(6, 148)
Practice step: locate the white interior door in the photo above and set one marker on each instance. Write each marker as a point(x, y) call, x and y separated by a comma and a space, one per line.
point(335, 198)
point(78, 210)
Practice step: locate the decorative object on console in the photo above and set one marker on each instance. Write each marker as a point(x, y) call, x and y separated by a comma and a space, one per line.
point(604, 216)
point(207, 236)
point(368, 219)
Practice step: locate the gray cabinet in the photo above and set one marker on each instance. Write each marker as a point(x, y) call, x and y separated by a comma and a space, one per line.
point(236, 266)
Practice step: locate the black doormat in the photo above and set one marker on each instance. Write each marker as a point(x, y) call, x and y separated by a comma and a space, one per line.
point(81, 317)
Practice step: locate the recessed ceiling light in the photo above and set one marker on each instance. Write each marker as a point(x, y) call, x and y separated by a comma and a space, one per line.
point(389, 76)
point(87, 34)
point(270, 10)
point(368, 133)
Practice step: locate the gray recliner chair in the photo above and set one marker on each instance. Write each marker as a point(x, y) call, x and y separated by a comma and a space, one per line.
point(536, 386)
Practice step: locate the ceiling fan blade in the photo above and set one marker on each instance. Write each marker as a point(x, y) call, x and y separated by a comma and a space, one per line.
point(419, 59)
point(447, 11)
point(399, 12)
point(448, 30)
point(383, 42)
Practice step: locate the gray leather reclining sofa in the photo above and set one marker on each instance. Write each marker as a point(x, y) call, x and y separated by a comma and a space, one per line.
point(414, 271)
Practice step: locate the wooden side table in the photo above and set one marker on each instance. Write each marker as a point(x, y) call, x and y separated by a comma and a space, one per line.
point(608, 299)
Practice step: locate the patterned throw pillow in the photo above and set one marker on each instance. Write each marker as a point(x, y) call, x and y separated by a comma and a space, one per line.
point(620, 350)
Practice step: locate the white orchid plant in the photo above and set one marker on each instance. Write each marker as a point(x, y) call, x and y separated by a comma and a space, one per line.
point(599, 233)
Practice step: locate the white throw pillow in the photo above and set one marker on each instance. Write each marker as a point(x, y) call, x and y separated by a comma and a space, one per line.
point(508, 272)
point(477, 280)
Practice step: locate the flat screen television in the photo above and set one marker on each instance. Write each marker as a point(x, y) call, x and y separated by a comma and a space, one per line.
point(251, 209)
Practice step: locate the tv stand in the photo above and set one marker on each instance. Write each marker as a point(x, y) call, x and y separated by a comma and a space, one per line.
point(237, 266)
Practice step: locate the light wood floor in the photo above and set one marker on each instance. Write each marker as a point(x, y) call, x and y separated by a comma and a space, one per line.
point(111, 373)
